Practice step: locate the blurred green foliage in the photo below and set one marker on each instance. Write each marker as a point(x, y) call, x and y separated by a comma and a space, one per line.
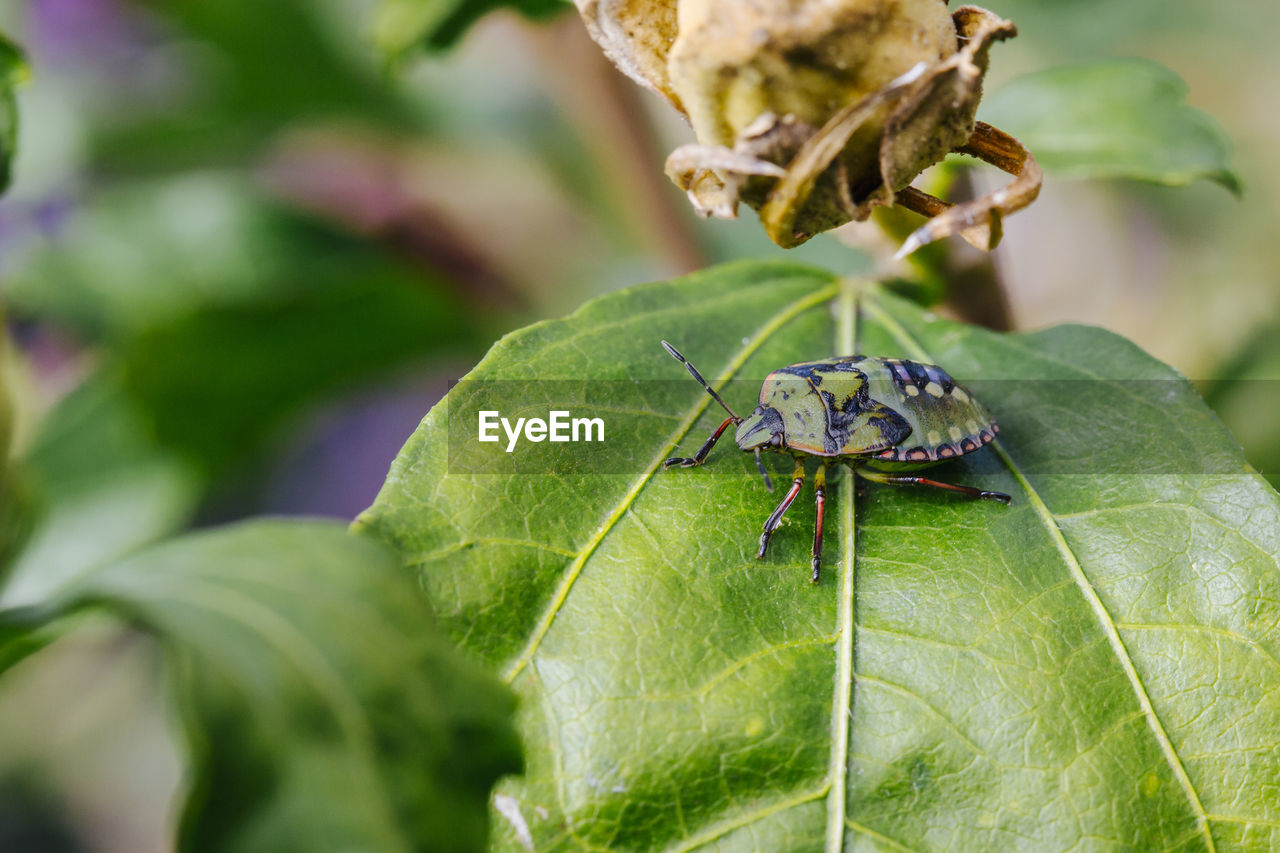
point(1122, 118)
point(100, 486)
point(339, 718)
point(14, 500)
point(256, 69)
point(1247, 396)
point(180, 312)
point(222, 312)
point(12, 69)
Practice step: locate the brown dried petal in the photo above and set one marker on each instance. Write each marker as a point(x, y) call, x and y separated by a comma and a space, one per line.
point(759, 87)
point(937, 116)
point(933, 115)
point(636, 35)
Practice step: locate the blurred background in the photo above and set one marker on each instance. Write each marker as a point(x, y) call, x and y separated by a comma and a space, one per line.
point(242, 256)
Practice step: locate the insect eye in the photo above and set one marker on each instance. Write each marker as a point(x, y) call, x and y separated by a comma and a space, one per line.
point(776, 441)
point(759, 410)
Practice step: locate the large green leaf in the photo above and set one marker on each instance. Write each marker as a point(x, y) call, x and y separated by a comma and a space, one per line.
point(1114, 118)
point(1094, 666)
point(321, 708)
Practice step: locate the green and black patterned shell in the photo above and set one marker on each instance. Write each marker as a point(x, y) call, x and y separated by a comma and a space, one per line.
point(879, 409)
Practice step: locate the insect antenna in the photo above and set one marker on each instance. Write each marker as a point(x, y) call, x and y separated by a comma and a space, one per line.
point(768, 484)
point(698, 376)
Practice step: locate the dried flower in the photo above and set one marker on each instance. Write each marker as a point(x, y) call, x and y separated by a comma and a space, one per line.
point(815, 112)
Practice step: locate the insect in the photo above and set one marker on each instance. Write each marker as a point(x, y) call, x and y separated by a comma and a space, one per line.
point(882, 417)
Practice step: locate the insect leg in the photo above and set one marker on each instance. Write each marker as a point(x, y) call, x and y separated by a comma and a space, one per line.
point(912, 480)
point(820, 494)
point(768, 484)
point(701, 455)
point(781, 509)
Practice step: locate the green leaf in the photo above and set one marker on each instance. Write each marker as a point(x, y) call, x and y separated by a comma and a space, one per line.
point(99, 486)
point(321, 708)
point(249, 70)
point(1114, 118)
point(1095, 665)
point(402, 25)
point(14, 502)
point(228, 314)
point(149, 252)
point(217, 385)
point(1246, 398)
point(13, 69)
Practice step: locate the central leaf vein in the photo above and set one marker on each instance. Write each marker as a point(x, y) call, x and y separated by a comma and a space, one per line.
point(841, 707)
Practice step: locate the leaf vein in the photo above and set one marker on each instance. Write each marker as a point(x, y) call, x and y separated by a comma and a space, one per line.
point(1204, 629)
point(741, 664)
point(425, 557)
point(877, 836)
point(1259, 821)
point(842, 701)
point(722, 829)
point(916, 697)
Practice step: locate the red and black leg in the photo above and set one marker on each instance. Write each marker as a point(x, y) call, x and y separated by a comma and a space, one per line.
point(820, 495)
point(913, 480)
point(699, 457)
point(776, 517)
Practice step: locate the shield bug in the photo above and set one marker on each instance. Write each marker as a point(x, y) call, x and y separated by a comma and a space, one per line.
point(884, 418)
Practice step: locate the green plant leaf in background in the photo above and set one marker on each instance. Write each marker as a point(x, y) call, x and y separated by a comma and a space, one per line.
point(14, 502)
point(224, 314)
point(99, 487)
point(402, 25)
point(1113, 118)
point(1094, 666)
point(203, 382)
point(276, 65)
point(321, 708)
point(1246, 398)
point(13, 68)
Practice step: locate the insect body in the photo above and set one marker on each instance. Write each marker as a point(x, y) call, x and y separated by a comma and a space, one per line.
point(882, 417)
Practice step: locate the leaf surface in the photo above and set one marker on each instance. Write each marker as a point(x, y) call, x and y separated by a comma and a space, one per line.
point(1094, 666)
point(321, 708)
point(1114, 118)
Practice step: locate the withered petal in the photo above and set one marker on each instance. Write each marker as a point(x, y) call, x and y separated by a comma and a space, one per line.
point(636, 36)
